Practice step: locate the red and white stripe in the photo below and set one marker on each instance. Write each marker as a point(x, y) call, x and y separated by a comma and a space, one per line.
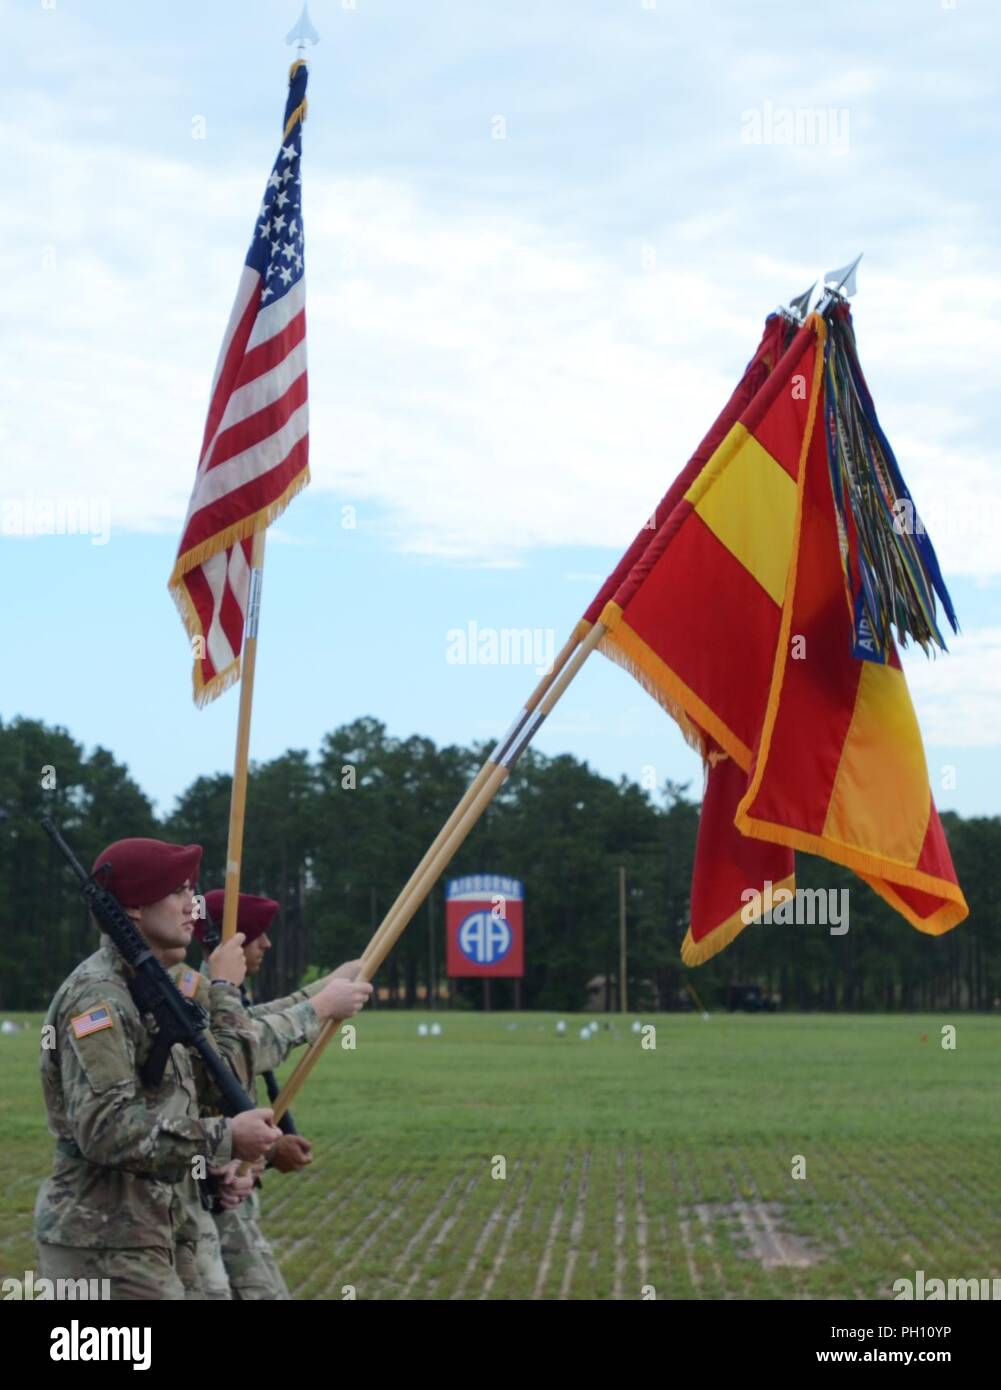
point(254, 455)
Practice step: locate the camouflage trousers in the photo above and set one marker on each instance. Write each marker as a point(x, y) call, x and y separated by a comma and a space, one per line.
point(200, 1264)
point(148, 1272)
point(250, 1264)
point(196, 1246)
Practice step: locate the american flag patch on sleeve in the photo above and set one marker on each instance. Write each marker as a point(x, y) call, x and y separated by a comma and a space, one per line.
point(189, 983)
point(92, 1022)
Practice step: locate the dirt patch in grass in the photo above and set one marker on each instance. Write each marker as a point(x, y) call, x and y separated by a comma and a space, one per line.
point(758, 1227)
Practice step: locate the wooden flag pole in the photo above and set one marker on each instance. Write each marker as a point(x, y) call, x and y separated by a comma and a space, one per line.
point(497, 754)
point(623, 1006)
point(238, 795)
point(450, 838)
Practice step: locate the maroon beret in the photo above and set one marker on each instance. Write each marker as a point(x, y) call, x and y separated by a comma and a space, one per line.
point(140, 872)
point(254, 915)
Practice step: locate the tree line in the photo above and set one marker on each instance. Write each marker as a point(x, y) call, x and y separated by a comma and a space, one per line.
point(333, 837)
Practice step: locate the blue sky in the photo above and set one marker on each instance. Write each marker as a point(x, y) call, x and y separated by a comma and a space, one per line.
point(540, 244)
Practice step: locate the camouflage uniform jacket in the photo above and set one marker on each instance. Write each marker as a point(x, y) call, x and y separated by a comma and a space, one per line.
point(120, 1151)
point(283, 1024)
point(277, 1026)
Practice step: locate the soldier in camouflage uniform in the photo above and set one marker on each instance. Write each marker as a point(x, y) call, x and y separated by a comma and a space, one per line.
point(279, 1026)
point(199, 1254)
point(110, 1210)
point(200, 1264)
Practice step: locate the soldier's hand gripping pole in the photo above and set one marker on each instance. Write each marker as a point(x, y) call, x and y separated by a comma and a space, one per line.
point(477, 798)
point(177, 1019)
point(211, 938)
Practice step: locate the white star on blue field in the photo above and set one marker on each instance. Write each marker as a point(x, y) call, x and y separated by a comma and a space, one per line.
point(277, 247)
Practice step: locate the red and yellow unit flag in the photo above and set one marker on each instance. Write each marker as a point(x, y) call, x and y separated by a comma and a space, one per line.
point(255, 449)
point(748, 616)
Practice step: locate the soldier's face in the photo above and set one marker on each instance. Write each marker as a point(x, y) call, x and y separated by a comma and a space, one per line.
point(168, 924)
point(253, 954)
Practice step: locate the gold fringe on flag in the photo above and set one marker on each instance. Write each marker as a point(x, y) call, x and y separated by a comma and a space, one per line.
point(698, 952)
point(206, 691)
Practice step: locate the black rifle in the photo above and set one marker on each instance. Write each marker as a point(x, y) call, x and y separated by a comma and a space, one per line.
point(178, 1020)
point(211, 937)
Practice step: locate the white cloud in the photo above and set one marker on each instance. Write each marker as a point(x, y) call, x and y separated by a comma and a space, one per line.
point(515, 344)
point(492, 388)
point(957, 696)
point(491, 369)
point(488, 385)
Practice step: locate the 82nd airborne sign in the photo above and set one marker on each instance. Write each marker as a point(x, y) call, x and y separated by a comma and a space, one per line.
point(485, 926)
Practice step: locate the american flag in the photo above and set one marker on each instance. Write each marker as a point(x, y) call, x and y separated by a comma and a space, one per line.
point(255, 450)
point(85, 1024)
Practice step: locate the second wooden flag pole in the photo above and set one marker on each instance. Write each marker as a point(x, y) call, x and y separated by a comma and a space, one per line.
point(453, 833)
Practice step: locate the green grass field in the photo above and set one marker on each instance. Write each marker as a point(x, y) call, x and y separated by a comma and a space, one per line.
point(625, 1168)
